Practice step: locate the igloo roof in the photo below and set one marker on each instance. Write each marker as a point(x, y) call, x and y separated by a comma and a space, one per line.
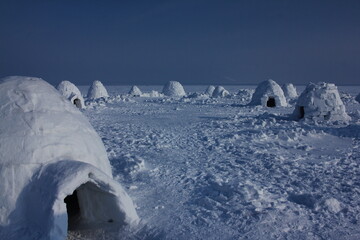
point(289, 91)
point(267, 89)
point(220, 91)
point(321, 102)
point(40, 128)
point(209, 90)
point(173, 89)
point(135, 91)
point(97, 90)
point(70, 91)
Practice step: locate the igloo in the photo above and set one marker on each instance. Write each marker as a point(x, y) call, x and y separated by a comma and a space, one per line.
point(289, 91)
point(210, 89)
point(135, 91)
point(320, 102)
point(97, 90)
point(268, 94)
point(71, 92)
point(173, 89)
point(220, 91)
point(54, 170)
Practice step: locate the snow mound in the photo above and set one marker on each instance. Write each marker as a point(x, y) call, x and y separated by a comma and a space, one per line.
point(53, 164)
point(268, 94)
point(210, 89)
point(135, 91)
point(320, 102)
point(358, 98)
point(289, 91)
point(97, 90)
point(173, 89)
point(71, 92)
point(220, 91)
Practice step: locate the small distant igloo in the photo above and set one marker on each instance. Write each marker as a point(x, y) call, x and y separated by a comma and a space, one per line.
point(97, 90)
point(268, 94)
point(220, 91)
point(320, 102)
point(54, 172)
point(71, 92)
point(135, 91)
point(289, 91)
point(173, 89)
point(210, 89)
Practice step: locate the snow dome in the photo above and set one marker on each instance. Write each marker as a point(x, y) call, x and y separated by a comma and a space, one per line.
point(173, 89)
point(220, 91)
point(289, 91)
point(210, 89)
point(54, 170)
point(320, 102)
point(268, 94)
point(135, 91)
point(71, 92)
point(97, 90)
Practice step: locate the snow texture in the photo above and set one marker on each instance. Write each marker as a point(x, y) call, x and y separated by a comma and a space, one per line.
point(265, 92)
point(48, 150)
point(320, 102)
point(289, 91)
point(173, 89)
point(71, 92)
point(97, 90)
point(220, 91)
point(209, 90)
point(135, 91)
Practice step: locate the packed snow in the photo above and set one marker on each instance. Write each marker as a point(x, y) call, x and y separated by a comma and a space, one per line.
point(269, 94)
point(289, 91)
point(199, 167)
point(97, 90)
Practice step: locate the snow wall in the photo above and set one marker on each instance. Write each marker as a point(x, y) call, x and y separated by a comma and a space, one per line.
point(268, 94)
point(97, 90)
point(49, 153)
point(71, 92)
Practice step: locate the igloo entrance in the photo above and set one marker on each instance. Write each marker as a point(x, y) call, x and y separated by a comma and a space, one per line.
point(271, 102)
point(90, 207)
point(302, 112)
point(77, 103)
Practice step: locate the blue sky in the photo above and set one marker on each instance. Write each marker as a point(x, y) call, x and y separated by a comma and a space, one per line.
point(193, 42)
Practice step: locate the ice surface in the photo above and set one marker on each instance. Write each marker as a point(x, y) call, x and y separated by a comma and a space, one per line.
point(97, 90)
point(267, 90)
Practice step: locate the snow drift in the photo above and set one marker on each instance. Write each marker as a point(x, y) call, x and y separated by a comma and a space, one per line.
point(173, 89)
point(71, 92)
point(268, 94)
point(54, 170)
point(97, 90)
point(320, 102)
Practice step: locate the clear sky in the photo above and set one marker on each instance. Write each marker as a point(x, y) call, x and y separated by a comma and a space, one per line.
point(193, 42)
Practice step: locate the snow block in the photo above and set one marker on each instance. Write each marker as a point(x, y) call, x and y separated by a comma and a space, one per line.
point(268, 94)
point(71, 92)
point(54, 170)
point(320, 102)
point(97, 90)
point(173, 89)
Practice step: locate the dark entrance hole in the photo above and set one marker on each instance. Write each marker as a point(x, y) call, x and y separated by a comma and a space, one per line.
point(271, 102)
point(77, 103)
point(73, 209)
point(302, 112)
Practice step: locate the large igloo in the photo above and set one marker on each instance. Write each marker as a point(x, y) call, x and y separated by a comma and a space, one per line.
point(320, 102)
point(289, 91)
point(71, 92)
point(97, 90)
point(268, 94)
point(135, 91)
point(173, 89)
point(54, 170)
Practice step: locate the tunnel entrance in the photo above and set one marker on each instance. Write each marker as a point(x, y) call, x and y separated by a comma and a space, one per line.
point(271, 102)
point(302, 112)
point(77, 103)
point(73, 209)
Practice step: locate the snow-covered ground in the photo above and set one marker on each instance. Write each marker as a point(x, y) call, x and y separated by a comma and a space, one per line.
point(213, 168)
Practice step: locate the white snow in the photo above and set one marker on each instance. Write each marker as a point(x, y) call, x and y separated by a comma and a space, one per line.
point(289, 91)
point(48, 150)
point(135, 91)
point(220, 91)
point(97, 90)
point(320, 102)
point(173, 89)
point(209, 90)
point(266, 92)
point(71, 92)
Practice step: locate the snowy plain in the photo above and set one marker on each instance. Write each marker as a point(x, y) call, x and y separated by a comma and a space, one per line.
point(214, 168)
